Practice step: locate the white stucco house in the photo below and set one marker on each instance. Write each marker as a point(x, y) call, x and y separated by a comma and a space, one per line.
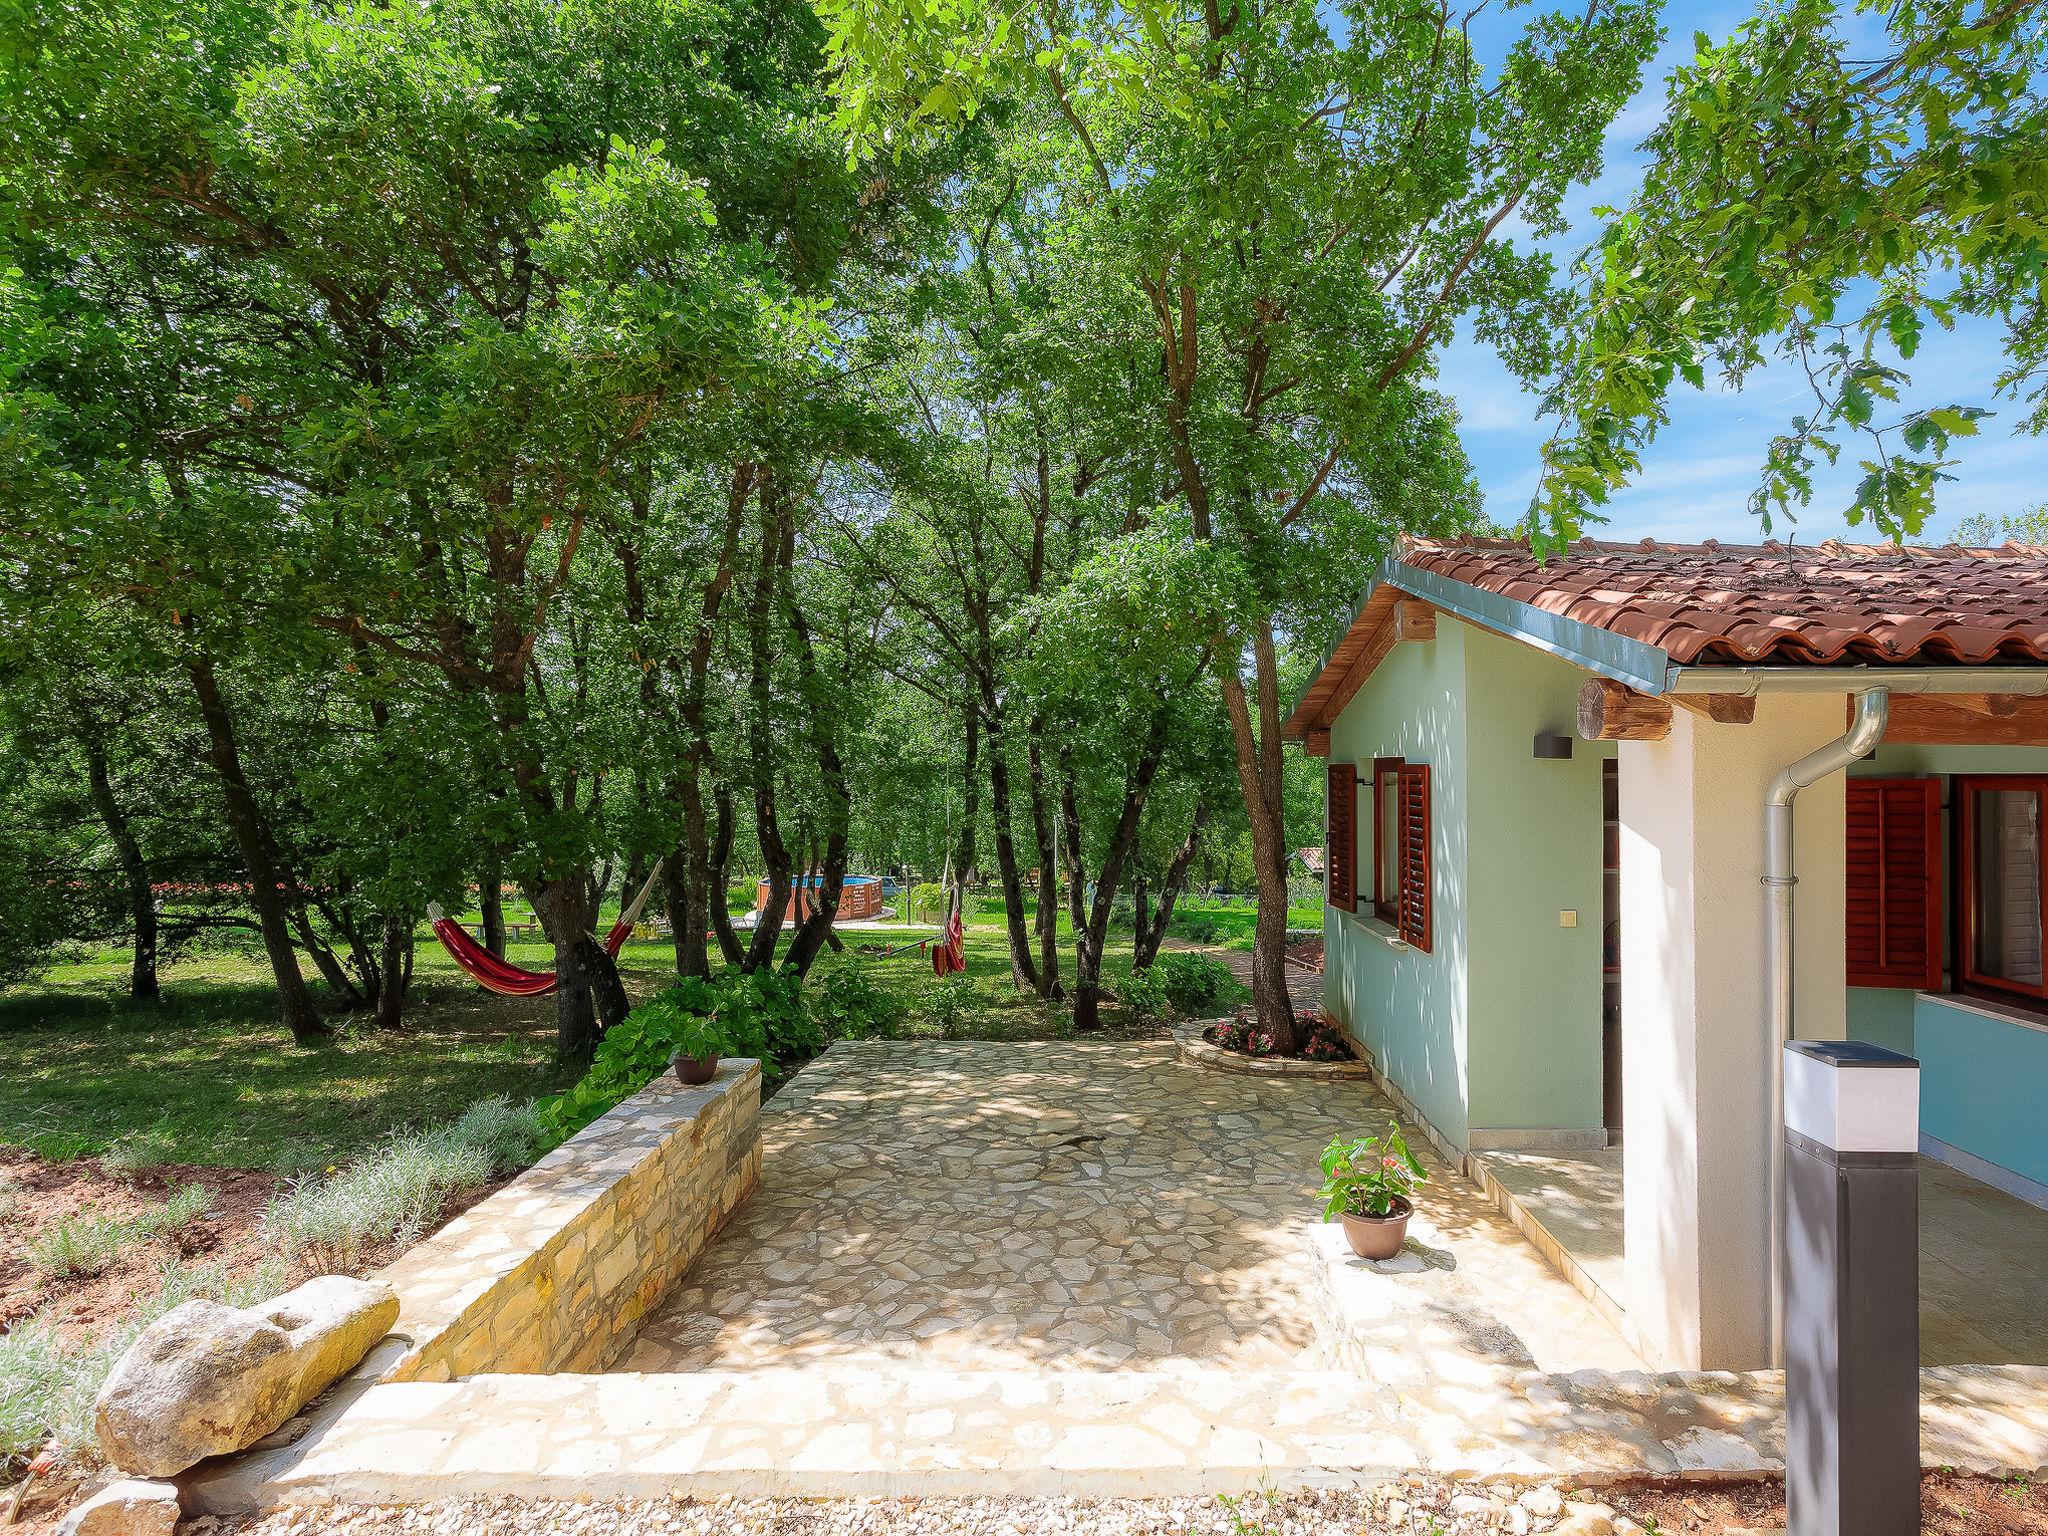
point(1569, 802)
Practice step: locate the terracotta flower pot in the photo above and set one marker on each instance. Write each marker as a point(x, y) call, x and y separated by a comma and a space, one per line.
point(1378, 1237)
point(694, 1071)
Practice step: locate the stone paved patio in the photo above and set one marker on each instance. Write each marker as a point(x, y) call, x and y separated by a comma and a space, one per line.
point(1079, 1269)
point(1982, 1252)
point(982, 1206)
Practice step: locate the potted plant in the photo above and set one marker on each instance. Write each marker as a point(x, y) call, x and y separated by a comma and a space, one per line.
point(1368, 1182)
point(698, 1040)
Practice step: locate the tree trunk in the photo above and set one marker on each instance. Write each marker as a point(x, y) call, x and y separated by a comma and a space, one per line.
point(686, 921)
point(490, 900)
point(342, 985)
point(1260, 779)
point(1023, 970)
point(721, 863)
point(963, 845)
point(396, 972)
point(143, 986)
point(1046, 915)
point(760, 740)
point(825, 880)
point(1146, 945)
point(589, 997)
point(1087, 976)
point(1091, 938)
point(266, 884)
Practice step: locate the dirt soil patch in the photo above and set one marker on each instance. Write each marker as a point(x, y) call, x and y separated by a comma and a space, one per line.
point(1306, 953)
point(1951, 1504)
point(45, 1195)
point(228, 1235)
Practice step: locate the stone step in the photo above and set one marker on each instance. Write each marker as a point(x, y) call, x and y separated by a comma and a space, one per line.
point(858, 1433)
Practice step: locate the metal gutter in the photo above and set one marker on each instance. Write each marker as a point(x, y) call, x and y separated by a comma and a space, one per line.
point(1747, 682)
point(1873, 708)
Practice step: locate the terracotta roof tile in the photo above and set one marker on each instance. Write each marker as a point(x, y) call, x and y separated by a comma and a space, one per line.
point(1775, 603)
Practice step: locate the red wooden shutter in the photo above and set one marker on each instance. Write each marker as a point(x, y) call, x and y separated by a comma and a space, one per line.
point(1894, 883)
point(1340, 853)
point(1413, 816)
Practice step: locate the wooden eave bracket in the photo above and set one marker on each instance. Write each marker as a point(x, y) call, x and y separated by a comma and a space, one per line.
point(1408, 620)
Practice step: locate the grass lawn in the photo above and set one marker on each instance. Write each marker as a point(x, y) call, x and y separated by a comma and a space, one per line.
point(210, 1064)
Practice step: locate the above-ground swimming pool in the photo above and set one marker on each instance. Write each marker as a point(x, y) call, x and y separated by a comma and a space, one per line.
point(861, 896)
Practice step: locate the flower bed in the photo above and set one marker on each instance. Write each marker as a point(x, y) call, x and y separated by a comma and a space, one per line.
point(1237, 1044)
point(1320, 1040)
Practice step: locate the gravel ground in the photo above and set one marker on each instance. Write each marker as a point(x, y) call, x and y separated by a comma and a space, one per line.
point(1416, 1507)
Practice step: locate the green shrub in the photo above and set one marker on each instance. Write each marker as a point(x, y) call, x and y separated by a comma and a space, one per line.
point(852, 1005)
point(139, 1150)
point(78, 1250)
point(188, 1202)
point(1197, 927)
point(91, 1245)
point(946, 1007)
point(47, 1388)
point(392, 1194)
point(737, 1013)
point(510, 1135)
point(1176, 982)
point(929, 900)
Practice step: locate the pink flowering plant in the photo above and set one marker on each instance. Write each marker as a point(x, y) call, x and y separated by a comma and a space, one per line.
point(1370, 1176)
point(1242, 1034)
point(1320, 1039)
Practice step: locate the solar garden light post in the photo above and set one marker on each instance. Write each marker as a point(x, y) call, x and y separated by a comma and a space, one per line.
point(1852, 1290)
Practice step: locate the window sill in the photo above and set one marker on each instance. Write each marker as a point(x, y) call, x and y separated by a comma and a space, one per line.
point(1990, 1008)
point(1379, 928)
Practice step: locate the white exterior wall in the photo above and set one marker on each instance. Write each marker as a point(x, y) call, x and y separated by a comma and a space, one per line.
point(1696, 1045)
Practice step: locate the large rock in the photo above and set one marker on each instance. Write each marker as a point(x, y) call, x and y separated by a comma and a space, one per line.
point(130, 1507)
point(205, 1379)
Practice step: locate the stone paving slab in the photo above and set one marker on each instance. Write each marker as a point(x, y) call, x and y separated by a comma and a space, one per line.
point(1061, 1206)
point(854, 1433)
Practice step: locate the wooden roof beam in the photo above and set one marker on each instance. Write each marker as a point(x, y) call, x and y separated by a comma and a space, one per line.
point(1722, 708)
point(1611, 711)
point(1968, 719)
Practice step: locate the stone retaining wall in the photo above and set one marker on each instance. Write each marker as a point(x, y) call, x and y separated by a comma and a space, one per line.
point(555, 1271)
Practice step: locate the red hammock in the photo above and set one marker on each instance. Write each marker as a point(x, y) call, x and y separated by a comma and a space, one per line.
point(949, 954)
point(502, 976)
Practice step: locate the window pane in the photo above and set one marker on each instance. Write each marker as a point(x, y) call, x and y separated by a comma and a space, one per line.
point(1386, 801)
point(2005, 856)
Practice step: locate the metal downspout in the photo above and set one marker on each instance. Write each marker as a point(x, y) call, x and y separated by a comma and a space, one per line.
point(1873, 708)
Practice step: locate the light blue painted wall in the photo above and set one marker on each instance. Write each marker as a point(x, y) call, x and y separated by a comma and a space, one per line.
point(1983, 1086)
point(1883, 1016)
point(1407, 1007)
point(1983, 1081)
point(1498, 1027)
point(1534, 833)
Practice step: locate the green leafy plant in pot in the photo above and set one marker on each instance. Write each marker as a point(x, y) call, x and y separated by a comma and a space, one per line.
point(695, 1044)
point(1369, 1184)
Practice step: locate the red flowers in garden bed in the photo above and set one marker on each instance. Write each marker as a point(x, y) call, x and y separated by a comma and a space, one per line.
point(1242, 1034)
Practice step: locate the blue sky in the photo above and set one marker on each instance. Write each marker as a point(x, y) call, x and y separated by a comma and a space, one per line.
point(1698, 476)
